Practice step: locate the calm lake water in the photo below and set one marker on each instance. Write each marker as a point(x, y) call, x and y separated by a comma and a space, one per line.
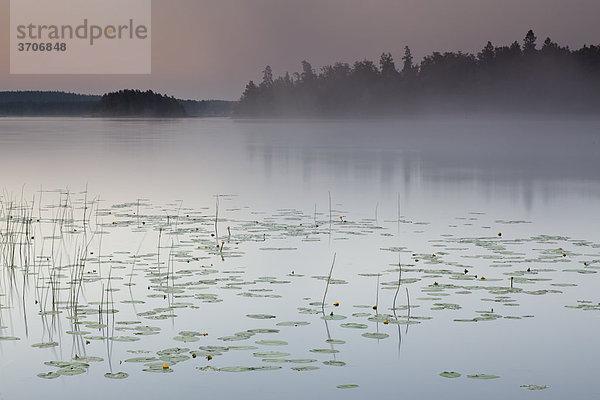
point(194, 256)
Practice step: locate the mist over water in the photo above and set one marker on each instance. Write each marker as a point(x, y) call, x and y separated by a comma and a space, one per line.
point(430, 186)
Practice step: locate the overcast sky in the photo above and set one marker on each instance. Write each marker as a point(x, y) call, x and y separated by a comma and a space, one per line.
point(210, 48)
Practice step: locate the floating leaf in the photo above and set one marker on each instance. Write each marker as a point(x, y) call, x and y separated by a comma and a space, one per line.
point(293, 323)
point(534, 387)
point(48, 375)
point(334, 317)
point(116, 375)
point(451, 374)
point(45, 345)
point(375, 335)
point(69, 371)
point(271, 342)
point(354, 325)
point(89, 359)
point(245, 369)
point(347, 386)
point(276, 354)
point(186, 339)
point(158, 368)
point(325, 351)
point(334, 363)
point(261, 316)
point(483, 376)
point(141, 359)
point(174, 350)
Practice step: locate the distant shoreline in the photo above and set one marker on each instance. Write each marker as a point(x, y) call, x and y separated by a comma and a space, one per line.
point(64, 104)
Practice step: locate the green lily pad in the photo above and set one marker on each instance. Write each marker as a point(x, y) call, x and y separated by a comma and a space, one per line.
point(45, 345)
point(354, 325)
point(334, 317)
point(69, 371)
point(375, 335)
point(275, 354)
point(78, 332)
point(271, 342)
point(306, 368)
point(483, 376)
point(96, 337)
point(186, 339)
point(157, 368)
point(534, 387)
point(334, 363)
point(293, 323)
point(261, 316)
point(124, 339)
point(174, 350)
point(302, 360)
point(450, 374)
point(324, 351)
point(88, 359)
point(48, 375)
point(245, 369)
point(66, 364)
point(174, 358)
point(116, 375)
point(141, 359)
point(262, 330)
point(347, 386)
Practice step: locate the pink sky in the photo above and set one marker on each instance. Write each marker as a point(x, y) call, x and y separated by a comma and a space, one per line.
point(210, 48)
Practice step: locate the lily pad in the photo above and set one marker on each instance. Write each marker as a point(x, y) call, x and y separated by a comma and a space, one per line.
point(275, 354)
point(483, 376)
point(186, 339)
point(354, 325)
point(261, 316)
point(141, 359)
point(116, 375)
point(375, 335)
point(306, 368)
point(246, 369)
point(334, 363)
point(293, 323)
point(324, 351)
point(271, 342)
point(45, 345)
point(48, 375)
point(158, 368)
point(347, 386)
point(69, 371)
point(534, 387)
point(450, 374)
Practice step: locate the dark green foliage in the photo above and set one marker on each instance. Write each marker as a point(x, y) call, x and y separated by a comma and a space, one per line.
point(39, 103)
point(36, 103)
point(135, 103)
point(514, 79)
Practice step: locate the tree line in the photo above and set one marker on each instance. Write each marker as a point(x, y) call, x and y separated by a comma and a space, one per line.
point(50, 103)
point(123, 103)
point(129, 103)
point(521, 77)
